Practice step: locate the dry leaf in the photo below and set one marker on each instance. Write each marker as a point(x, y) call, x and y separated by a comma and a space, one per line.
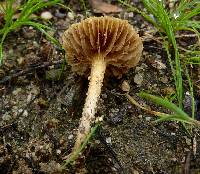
point(98, 6)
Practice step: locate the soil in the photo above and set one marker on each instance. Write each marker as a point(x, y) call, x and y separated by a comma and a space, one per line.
point(42, 99)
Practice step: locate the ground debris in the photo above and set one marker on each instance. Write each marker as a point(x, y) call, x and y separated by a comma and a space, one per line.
point(51, 167)
point(99, 6)
point(41, 101)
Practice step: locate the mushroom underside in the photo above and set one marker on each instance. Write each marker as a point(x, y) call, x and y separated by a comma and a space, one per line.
point(112, 38)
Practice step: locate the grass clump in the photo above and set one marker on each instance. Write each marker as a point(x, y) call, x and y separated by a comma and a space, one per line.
point(192, 57)
point(177, 113)
point(25, 18)
point(168, 23)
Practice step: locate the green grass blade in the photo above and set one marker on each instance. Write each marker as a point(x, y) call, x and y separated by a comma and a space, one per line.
point(179, 115)
point(163, 102)
point(184, 14)
point(27, 9)
point(134, 9)
point(174, 118)
point(41, 28)
point(190, 14)
point(9, 12)
point(193, 60)
point(185, 5)
point(188, 25)
point(65, 7)
point(75, 154)
point(1, 44)
point(157, 9)
point(33, 6)
point(1, 54)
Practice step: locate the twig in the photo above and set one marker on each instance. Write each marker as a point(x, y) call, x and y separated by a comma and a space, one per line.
point(134, 102)
point(30, 69)
point(151, 37)
point(187, 164)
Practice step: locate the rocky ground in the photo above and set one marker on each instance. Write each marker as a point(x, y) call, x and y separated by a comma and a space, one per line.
point(42, 99)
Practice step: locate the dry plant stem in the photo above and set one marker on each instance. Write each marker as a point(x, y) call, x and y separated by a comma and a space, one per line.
point(88, 115)
point(133, 101)
point(195, 122)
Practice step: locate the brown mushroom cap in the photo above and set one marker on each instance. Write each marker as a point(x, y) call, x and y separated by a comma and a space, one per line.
point(112, 38)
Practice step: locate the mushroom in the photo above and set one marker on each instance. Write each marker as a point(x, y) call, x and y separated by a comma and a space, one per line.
point(97, 45)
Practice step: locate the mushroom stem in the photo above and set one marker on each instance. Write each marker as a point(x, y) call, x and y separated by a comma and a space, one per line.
point(88, 115)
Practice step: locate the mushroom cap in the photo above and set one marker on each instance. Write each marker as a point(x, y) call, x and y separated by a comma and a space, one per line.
point(111, 38)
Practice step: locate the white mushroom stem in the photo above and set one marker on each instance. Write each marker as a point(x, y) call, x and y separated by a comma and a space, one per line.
point(88, 115)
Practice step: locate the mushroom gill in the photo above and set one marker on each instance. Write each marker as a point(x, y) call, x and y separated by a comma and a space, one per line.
point(112, 38)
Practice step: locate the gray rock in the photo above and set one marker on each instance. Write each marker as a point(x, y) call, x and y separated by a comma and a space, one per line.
point(138, 79)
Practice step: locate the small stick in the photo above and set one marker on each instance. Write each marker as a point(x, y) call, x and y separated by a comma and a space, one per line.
point(29, 69)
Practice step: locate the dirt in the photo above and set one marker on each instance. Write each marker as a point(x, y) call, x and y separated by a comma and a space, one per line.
point(42, 99)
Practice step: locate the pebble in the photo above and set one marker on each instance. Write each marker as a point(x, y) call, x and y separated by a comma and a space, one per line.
point(130, 15)
point(147, 118)
point(2, 73)
point(28, 32)
point(29, 97)
point(164, 79)
point(114, 169)
point(116, 116)
point(20, 110)
point(25, 113)
point(70, 137)
point(46, 15)
point(116, 119)
point(108, 140)
point(99, 119)
point(104, 96)
point(27, 155)
point(129, 106)
point(140, 116)
point(21, 61)
point(125, 86)
point(135, 172)
point(16, 91)
point(80, 17)
point(138, 79)
point(43, 103)
point(171, 4)
point(58, 151)
point(158, 56)
point(59, 14)
point(141, 68)
point(6, 117)
point(70, 15)
point(168, 91)
point(158, 65)
point(35, 44)
point(188, 140)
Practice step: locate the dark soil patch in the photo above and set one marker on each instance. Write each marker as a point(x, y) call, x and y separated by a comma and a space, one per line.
point(41, 104)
